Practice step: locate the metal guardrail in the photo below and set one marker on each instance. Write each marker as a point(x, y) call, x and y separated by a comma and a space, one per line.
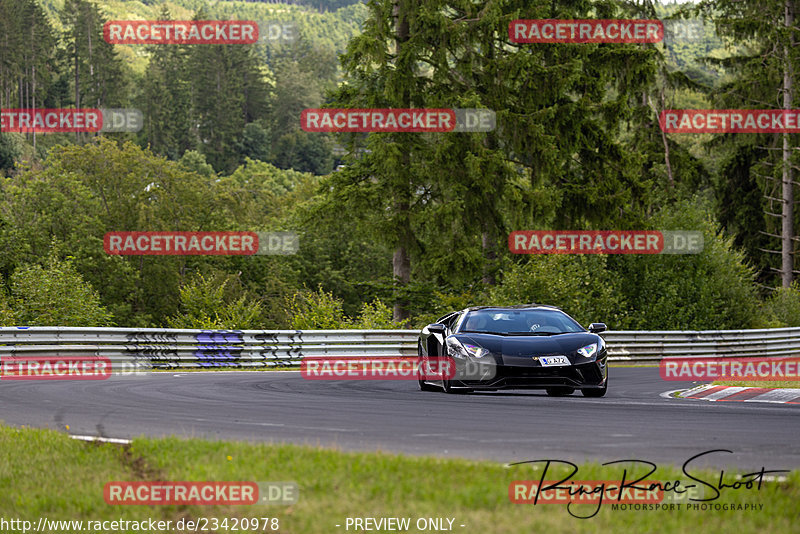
point(172, 348)
point(651, 346)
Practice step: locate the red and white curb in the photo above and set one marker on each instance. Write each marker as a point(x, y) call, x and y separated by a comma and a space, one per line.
point(740, 394)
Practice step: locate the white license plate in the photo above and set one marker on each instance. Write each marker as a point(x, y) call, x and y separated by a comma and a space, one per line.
point(553, 361)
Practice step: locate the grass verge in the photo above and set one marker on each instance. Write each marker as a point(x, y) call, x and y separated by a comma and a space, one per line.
point(43, 473)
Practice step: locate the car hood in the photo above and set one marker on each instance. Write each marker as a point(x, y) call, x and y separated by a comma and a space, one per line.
point(509, 349)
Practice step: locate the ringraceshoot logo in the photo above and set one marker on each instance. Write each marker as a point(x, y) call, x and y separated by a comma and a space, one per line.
point(635, 488)
point(604, 242)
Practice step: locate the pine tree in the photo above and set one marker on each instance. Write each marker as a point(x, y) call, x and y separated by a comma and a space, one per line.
point(167, 99)
point(228, 91)
point(765, 71)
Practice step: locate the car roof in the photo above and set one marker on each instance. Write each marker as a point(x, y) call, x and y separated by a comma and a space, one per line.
point(532, 306)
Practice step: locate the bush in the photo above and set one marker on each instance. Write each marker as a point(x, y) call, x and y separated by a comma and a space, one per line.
point(55, 296)
point(205, 305)
point(581, 285)
point(782, 308)
point(7, 315)
point(11, 148)
point(316, 310)
point(711, 290)
point(377, 316)
point(320, 310)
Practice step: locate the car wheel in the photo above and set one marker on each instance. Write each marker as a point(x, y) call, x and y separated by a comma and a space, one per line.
point(423, 386)
point(560, 391)
point(595, 392)
point(448, 388)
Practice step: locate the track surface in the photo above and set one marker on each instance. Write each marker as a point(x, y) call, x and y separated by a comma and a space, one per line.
point(632, 421)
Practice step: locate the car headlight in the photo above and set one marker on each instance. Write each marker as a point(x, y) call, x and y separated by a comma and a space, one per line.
point(466, 349)
point(475, 350)
point(588, 351)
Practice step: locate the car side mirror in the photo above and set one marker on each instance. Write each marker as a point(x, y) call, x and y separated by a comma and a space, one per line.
point(436, 328)
point(596, 328)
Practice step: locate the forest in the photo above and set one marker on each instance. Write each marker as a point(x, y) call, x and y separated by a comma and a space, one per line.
point(396, 229)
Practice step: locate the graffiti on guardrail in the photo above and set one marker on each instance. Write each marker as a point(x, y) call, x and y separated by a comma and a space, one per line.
point(219, 348)
point(275, 353)
point(158, 348)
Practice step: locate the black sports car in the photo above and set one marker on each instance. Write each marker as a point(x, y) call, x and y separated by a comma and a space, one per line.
point(503, 347)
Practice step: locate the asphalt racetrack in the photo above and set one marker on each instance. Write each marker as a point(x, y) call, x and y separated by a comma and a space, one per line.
point(633, 421)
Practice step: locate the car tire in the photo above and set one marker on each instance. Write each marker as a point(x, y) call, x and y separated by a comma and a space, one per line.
point(595, 393)
point(448, 388)
point(423, 386)
point(560, 391)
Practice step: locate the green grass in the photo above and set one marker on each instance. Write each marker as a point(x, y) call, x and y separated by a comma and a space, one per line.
point(759, 383)
point(44, 473)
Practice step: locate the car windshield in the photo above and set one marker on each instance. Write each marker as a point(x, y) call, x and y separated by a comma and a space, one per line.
point(520, 322)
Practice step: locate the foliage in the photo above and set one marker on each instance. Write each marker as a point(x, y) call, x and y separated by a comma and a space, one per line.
point(710, 290)
point(303, 152)
point(255, 142)
point(10, 151)
point(82, 193)
point(582, 286)
point(194, 161)
point(376, 315)
point(55, 295)
point(783, 306)
point(749, 173)
point(316, 309)
point(204, 304)
point(414, 221)
point(7, 315)
point(321, 309)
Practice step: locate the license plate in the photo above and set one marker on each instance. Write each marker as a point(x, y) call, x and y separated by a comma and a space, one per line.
point(553, 361)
